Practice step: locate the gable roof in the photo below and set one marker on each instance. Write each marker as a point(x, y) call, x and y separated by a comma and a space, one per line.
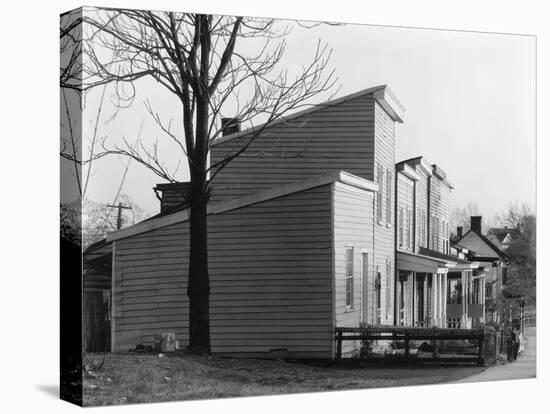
point(381, 94)
point(243, 201)
point(488, 242)
point(418, 162)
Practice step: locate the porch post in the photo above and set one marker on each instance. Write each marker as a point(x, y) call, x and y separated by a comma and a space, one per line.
point(413, 285)
point(435, 299)
point(444, 289)
point(440, 300)
point(482, 284)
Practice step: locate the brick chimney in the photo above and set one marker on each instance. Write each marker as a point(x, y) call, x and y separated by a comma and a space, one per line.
point(475, 224)
point(459, 232)
point(230, 126)
point(173, 195)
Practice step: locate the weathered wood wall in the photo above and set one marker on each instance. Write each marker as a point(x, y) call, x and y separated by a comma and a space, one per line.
point(353, 226)
point(271, 279)
point(384, 234)
point(338, 137)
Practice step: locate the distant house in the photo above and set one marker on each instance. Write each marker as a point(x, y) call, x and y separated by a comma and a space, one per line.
point(301, 238)
point(430, 278)
point(493, 258)
point(502, 237)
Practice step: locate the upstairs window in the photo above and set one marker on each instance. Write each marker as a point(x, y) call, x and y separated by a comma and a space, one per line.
point(349, 276)
point(409, 229)
point(389, 177)
point(380, 198)
point(424, 228)
point(401, 227)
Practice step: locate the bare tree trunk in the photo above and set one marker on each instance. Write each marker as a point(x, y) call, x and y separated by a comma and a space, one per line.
point(198, 288)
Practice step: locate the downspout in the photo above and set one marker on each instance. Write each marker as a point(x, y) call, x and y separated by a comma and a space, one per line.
point(113, 304)
point(429, 218)
point(414, 216)
point(333, 266)
point(395, 271)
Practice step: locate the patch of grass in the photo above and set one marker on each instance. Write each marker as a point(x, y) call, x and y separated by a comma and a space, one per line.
point(148, 378)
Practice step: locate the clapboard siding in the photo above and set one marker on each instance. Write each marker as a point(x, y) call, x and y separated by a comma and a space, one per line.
point(271, 278)
point(384, 235)
point(353, 226)
point(338, 137)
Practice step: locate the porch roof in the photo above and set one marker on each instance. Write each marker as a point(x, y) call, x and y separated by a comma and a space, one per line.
point(419, 263)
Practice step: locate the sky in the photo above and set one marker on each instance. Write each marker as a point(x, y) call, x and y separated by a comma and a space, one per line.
point(469, 103)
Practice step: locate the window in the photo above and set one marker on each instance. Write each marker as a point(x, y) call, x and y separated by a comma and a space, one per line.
point(389, 283)
point(379, 203)
point(424, 228)
point(409, 229)
point(388, 196)
point(349, 276)
point(437, 230)
point(433, 234)
point(400, 226)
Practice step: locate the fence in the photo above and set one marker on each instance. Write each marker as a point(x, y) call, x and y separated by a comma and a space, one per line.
point(463, 345)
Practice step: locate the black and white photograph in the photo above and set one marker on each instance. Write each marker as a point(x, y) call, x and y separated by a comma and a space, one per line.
point(254, 206)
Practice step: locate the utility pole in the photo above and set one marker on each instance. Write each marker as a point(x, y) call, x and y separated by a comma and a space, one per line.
point(120, 207)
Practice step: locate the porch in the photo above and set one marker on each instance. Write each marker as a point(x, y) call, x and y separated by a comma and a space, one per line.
point(438, 290)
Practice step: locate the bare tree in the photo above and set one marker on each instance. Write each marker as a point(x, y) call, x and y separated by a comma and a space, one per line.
point(460, 216)
point(197, 58)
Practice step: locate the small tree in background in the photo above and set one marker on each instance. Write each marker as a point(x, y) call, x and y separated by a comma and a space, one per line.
point(521, 277)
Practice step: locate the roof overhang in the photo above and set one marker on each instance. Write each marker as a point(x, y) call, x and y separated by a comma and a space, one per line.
point(438, 172)
point(407, 171)
point(239, 202)
point(391, 105)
